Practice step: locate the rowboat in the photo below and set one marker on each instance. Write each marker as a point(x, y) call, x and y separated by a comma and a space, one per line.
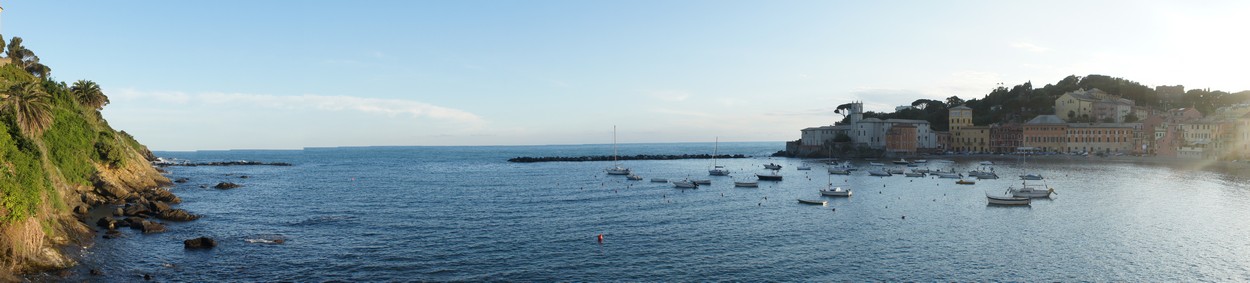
point(965, 182)
point(746, 184)
point(1004, 200)
point(812, 201)
point(835, 192)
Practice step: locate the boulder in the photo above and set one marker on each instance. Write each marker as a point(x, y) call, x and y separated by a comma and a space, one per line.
point(150, 227)
point(107, 223)
point(81, 210)
point(158, 207)
point(243, 177)
point(177, 215)
point(135, 210)
point(96, 272)
point(226, 185)
point(119, 212)
point(182, 180)
point(161, 195)
point(199, 243)
point(134, 222)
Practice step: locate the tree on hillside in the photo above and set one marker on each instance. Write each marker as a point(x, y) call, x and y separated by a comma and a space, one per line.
point(88, 94)
point(954, 101)
point(30, 107)
point(26, 58)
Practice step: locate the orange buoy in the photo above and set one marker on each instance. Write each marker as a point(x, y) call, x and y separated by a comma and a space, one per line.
point(600, 238)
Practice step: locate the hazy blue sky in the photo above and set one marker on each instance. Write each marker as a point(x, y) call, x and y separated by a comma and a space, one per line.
point(186, 75)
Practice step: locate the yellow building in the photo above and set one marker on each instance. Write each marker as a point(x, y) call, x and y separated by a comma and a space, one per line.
point(965, 136)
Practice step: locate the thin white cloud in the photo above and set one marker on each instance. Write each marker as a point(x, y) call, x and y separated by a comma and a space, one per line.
point(1028, 46)
point(388, 107)
point(670, 95)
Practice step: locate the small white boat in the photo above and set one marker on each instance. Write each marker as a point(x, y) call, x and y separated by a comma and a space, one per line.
point(914, 174)
point(768, 177)
point(985, 175)
point(894, 171)
point(617, 170)
point(804, 167)
point(659, 180)
point(1005, 200)
point(633, 177)
point(921, 161)
point(837, 171)
point(949, 175)
point(772, 166)
point(926, 170)
point(1031, 176)
point(875, 164)
point(812, 201)
point(685, 184)
point(878, 172)
point(901, 161)
point(703, 182)
point(835, 192)
point(987, 163)
point(718, 171)
point(1031, 192)
point(747, 184)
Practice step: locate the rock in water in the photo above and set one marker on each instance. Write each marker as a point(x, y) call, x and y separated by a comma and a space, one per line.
point(226, 185)
point(199, 243)
point(177, 215)
point(106, 222)
point(150, 227)
point(182, 180)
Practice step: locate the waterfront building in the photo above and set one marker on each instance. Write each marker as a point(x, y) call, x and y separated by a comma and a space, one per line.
point(1101, 137)
point(901, 139)
point(1047, 133)
point(1006, 138)
point(869, 132)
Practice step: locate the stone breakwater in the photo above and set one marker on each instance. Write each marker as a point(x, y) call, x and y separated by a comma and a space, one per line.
point(225, 163)
point(623, 157)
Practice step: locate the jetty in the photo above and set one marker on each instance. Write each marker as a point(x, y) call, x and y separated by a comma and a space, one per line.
point(623, 157)
point(222, 163)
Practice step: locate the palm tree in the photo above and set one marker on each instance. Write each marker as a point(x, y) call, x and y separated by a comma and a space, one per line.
point(29, 105)
point(89, 94)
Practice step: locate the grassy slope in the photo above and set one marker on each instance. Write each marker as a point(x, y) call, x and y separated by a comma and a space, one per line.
point(42, 179)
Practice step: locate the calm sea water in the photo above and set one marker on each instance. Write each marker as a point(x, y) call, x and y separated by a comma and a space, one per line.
point(465, 214)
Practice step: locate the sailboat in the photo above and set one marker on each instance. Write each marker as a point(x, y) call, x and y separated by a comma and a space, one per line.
point(717, 170)
point(616, 169)
point(1031, 191)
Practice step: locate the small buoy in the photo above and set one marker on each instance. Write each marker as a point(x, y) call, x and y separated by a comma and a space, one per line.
point(834, 209)
point(600, 238)
point(904, 217)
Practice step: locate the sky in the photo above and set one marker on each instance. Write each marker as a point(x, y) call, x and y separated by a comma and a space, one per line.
point(204, 75)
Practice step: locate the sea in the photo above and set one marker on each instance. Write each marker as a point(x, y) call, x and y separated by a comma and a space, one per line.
point(466, 214)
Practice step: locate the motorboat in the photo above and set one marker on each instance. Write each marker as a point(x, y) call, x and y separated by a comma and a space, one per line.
point(659, 180)
point(1031, 176)
point(747, 184)
point(987, 163)
point(985, 175)
point(894, 171)
point(812, 201)
point(878, 172)
point(837, 171)
point(921, 161)
point(703, 182)
point(875, 164)
point(633, 177)
point(949, 175)
point(913, 174)
point(965, 182)
point(768, 177)
point(685, 184)
point(835, 192)
point(772, 166)
point(917, 170)
point(1007, 200)
point(804, 167)
point(901, 161)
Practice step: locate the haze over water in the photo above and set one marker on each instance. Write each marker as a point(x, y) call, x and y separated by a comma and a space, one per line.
point(464, 213)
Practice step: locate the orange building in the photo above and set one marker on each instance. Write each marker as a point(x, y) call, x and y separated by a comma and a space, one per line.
point(901, 139)
point(1046, 133)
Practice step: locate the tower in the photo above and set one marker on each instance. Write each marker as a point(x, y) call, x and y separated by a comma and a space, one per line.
point(857, 112)
point(960, 117)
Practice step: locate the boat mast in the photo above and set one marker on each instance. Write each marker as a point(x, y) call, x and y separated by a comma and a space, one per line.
point(614, 156)
point(715, 147)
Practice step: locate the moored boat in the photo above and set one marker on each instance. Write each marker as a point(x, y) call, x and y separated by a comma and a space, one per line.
point(746, 184)
point(875, 164)
point(836, 171)
point(1031, 176)
point(703, 182)
point(878, 172)
point(633, 177)
point(835, 192)
point(768, 177)
point(965, 182)
point(771, 166)
point(913, 174)
point(804, 167)
point(987, 163)
point(949, 175)
point(812, 201)
point(1006, 200)
point(685, 184)
point(659, 180)
point(717, 170)
point(901, 161)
